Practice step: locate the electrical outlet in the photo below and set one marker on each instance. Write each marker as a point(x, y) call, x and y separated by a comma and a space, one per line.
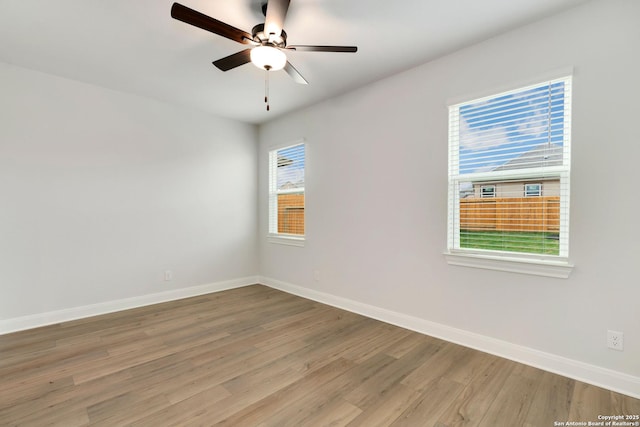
point(615, 340)
point(168, 275)
point(316, 275)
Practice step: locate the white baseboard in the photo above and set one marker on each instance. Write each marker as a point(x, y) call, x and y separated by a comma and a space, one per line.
point(598, 376)
point(52, 317)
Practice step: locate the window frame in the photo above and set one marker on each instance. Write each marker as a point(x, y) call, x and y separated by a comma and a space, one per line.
point(273, 235)
point(527, 263)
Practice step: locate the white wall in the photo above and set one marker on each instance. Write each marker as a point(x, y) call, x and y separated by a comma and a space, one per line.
point(376, 185)
point(101, 191)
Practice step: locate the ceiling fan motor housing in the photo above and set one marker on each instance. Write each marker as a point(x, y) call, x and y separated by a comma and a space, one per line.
point(259, 36)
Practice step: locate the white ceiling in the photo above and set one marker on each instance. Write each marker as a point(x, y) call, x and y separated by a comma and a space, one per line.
point(135, 46)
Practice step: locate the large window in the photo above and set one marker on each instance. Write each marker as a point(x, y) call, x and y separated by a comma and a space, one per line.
point(286, 192)
point(503, 151)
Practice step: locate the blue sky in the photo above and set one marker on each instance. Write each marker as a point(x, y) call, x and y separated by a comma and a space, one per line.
point(496, 130)
point(293, 172)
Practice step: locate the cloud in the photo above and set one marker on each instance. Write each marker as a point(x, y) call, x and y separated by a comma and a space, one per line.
point(537, 124)
point(483, 138)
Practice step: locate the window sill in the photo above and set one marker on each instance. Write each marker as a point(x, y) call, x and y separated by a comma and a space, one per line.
point(286, 240)
point(560, 269)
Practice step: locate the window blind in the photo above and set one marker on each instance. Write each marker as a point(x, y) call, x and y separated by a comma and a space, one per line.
point(509, 164)
point(286, 191)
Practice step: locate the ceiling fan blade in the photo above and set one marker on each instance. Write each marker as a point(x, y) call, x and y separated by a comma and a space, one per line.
point(232, 61)
point(303, 48)
point(200, 20)
point(294, 74)
point(276, 13)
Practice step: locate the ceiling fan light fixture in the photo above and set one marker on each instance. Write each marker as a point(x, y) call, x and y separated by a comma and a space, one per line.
point(268, 58)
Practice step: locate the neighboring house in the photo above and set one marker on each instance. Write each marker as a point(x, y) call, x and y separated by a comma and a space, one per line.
point(532, 188)
point(542, 155)
point(290, 185)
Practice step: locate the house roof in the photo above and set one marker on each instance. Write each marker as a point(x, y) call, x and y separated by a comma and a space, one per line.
point(541, 155)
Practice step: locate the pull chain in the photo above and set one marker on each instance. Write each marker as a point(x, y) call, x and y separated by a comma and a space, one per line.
point(266, 87)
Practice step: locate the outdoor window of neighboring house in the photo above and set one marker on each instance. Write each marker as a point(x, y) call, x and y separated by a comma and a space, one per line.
point(510, 140)
point(532, 190)
point(488, 191)
point(286, 194)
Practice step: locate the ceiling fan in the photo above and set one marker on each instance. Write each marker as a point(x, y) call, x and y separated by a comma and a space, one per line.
point(268, 41)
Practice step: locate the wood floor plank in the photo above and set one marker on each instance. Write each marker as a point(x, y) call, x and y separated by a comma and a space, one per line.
point(409, 342)
point(513, 401)
point(622, 404)
point(13, 394)
point(387, 410)
point(379, 340)
point(318, 321)
point(257, 356)
point(434, 399)
point(121, 409)
point(552, 400)
point(374, 389)
point(185, 410)
point(472, 404)
point(34, 411)
point(338, 413)
point(310, 404)
point(588, 402)
point(257, 412)
point(449, 361)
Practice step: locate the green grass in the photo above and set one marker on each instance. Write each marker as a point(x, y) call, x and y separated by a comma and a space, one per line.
point(537, 243)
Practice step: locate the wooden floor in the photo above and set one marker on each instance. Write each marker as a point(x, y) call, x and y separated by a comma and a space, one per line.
point(259, 357)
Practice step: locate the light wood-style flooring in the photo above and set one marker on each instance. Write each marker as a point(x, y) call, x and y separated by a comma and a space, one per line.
point(255, 356)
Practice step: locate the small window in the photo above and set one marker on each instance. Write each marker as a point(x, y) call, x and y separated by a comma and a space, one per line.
point(532, 190)
point(488, 191)
point(286, 192)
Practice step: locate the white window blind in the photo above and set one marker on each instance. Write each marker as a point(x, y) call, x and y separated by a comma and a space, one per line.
point(286, 191)
point(509, 164)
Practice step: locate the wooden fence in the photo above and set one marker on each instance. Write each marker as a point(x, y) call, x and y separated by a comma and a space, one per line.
point(541, 214)
point(291, 213)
